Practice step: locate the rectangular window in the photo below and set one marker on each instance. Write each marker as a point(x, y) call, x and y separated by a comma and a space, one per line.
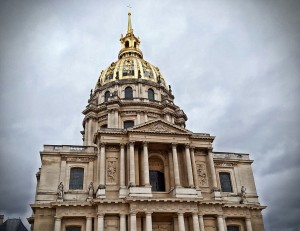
point(233, 228)
point(73, 229)
point(76, 178)
point(225, 182)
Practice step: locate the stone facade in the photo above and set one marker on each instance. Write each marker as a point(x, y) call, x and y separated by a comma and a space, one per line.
point(152, 174)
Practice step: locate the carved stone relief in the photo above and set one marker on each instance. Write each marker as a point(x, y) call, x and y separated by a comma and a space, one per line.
point(224, 164)
point(111, 171)
point(112, 148)
point(202, 174)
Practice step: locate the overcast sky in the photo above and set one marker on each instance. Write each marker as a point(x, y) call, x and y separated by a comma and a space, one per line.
point(234, 67)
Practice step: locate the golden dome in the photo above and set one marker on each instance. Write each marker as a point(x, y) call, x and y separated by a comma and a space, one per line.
point(131, 64)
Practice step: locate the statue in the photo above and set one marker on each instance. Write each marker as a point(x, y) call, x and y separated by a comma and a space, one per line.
point(91, 93)
point(60, 191)
point(91, 190)
point(243, 195)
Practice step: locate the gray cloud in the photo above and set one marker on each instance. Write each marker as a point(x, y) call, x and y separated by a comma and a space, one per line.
point(233, 66)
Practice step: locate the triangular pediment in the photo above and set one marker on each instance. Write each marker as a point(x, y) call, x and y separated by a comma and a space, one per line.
point(159, 126)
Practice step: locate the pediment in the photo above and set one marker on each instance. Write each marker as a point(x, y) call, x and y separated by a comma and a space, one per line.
point(159, 126)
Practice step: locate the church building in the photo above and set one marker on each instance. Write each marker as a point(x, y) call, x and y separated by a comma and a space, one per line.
point(139, 168)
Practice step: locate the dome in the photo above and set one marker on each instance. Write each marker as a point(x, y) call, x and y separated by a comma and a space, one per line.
point(131, 64)
point(131, 67)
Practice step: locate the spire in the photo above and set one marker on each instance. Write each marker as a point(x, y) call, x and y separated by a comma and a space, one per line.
point(129, 29)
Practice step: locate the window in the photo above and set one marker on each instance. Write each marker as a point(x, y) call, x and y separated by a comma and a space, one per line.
point(104, 126)
point(128, 124)
point(150, 94)
point(127, 44)
point(128, 93)
point(76, 178)
point(225, 182)
point(106, 96)
point(233, 228)
point(73, 229)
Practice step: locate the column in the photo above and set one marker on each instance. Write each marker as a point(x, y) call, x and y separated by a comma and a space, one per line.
point(201, 222)
point(195, 222)
point(195, 176)
point(116, 122)
point(62, 175)
point(122, 166)
point(100, 222)
point(138, 117)
point(212, 169)
point(248, 224)
point(102, 165)
point(220, 223)
point(90, 138)
point(132, 221)
point(132, 165)
point(122, 222)
point(189, 165)
point(88, 224)
point(175, 163)
point(181, 222)
point(148, 221)
point(146, 116)
point(146, 165)
point(57, 224)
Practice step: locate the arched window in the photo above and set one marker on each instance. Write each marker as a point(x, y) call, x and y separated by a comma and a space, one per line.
point(127, 44)
point(106, 96)
point(156, 173)
point(128, 93)
point(134, 44)
point(233, 228)
point(225, 182)
point(128, 124)
point(76, 178)
point(150, 94)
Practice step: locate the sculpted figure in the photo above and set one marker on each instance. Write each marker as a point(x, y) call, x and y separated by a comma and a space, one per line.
point(91, 190)
point(243, 195)
point(60, 191)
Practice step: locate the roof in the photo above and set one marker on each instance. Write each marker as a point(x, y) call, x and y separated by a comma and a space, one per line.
point(14, 224)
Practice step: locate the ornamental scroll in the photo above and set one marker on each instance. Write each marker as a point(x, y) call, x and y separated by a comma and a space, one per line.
point(202, 174)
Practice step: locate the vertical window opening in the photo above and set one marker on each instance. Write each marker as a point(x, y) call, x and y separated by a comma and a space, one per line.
point(225, 181)
point(76, 178)
point(128, 124)
point(106, 96)
point(150, 94)
point(128, 93)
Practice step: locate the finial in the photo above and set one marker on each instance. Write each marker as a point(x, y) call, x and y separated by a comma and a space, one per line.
point(129, 29)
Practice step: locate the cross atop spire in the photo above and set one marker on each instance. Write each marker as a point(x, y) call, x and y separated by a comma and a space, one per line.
point(129, 29)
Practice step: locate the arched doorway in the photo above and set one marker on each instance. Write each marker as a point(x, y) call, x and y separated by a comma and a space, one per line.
point(156, 173)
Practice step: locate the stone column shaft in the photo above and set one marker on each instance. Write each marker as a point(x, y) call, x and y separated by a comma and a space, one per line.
point(132, 222)
point(88, 224)
point(146, 165)
point(189, 166)
point(248, 224)
point(122, 166)
point(175, 163)
point(102, 164)
point(132, 165)
point(148, 222)
point(195, 222)
point(100, 223)
point(220, 223)
point(201, 223)
point(181, 222)
point(212, 169)
point(116, 122)
point(122, 222)
point(195, 175)
point(57, 224)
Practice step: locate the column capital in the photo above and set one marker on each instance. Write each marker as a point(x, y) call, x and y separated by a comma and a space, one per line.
point(145, 143)
point(57, 218)
point(148, 213)
point(192, 148)
point(174, 145)
point(122, 145)
point(100, 214)
point(102, 144)
point(187, 145)
point(180, 213)
point(133, 213)
point(220, 216)
point(130, 143)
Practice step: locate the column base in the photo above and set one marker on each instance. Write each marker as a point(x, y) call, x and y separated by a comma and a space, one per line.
point(100, 193)
point(123, 192)
point(216, 194)
point(140, 191)
point(185, 192)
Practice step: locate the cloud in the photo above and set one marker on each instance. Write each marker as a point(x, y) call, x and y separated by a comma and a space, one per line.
point(233, 66)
